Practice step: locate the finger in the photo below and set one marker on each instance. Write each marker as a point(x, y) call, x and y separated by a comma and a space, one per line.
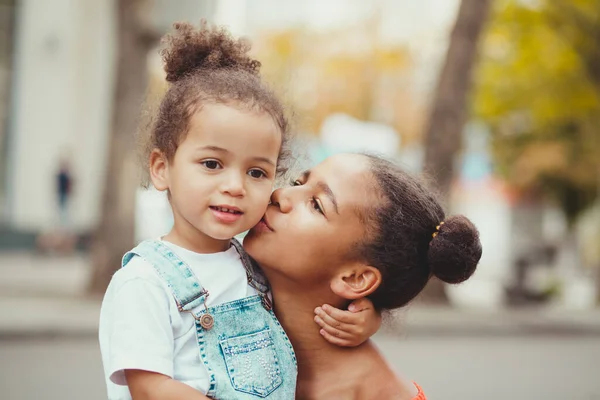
point(320, 321)
point(360, 305)
point(329, 320)
point(333, 331)
point(335, 314)
point(335, 340)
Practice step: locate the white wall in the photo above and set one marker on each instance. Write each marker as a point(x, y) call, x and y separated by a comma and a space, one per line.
point(486, 205)
point(63, 88)
point(61, 105)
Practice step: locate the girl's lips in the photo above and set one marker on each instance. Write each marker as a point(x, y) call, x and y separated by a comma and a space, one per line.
point(226, 217)
point(263, 225)
point(225, 207)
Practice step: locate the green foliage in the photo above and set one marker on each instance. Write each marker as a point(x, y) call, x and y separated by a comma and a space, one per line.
point(538, 87)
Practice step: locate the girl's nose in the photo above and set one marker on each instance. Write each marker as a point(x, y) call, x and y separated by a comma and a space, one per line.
point(280, 198)
point(234, 185)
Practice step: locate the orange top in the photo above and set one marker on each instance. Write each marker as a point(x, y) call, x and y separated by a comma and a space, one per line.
point(420, 395)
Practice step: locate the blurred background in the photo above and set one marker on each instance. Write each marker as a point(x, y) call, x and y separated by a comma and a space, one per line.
point(498, 101)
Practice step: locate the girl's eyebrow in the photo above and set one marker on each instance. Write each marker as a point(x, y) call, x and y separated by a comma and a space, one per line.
point(264, 159)
point(222, 150)
point(305, 175)
point(329, 193)
point(325, 189)
point(213, 148)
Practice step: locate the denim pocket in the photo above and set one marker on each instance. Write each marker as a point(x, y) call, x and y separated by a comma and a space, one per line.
point(252, 363)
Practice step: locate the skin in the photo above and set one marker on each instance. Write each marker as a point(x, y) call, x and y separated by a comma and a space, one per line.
point(145, 385)
point(319, 219)
point(228, 158)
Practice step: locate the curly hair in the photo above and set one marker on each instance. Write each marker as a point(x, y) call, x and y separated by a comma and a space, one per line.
point(411, 239)
point(206, 65)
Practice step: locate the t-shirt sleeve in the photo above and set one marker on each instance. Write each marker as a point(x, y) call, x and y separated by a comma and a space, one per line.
point(139, 335)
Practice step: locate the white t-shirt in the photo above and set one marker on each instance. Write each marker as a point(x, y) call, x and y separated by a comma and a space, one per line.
point(141, 327)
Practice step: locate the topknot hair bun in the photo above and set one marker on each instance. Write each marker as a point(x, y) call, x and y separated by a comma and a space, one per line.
point(455, 251)
point(190, 49)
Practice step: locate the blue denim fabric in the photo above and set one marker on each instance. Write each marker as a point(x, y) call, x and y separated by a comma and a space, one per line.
point(246, 352)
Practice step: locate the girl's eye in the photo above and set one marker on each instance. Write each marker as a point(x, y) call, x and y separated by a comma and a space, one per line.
point(316, 205)
point(211, 164)
point(257, 173)
point(295, 182)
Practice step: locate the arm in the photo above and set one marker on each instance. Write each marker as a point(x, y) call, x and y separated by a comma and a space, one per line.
point(146, 385)
point(348, 328)
point(137, 340)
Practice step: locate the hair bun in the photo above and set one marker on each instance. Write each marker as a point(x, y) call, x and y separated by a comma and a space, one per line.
point(189, 49)
point(455, 251)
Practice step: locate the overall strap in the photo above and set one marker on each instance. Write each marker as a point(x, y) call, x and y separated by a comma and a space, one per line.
point(185, 287)
point(253, 272)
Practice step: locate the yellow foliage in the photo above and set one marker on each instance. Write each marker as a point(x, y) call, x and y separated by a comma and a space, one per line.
point(342, 71)
point(534, 90)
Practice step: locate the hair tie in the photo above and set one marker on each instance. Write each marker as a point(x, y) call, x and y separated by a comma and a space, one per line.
point(437, 229)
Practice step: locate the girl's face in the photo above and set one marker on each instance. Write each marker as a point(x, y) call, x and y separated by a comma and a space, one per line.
point(221, 177)
point(314, 227)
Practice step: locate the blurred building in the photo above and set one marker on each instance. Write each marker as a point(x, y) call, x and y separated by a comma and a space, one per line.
point(57, 77)
point(7, 23)
point(56, 88)
point(58, 102)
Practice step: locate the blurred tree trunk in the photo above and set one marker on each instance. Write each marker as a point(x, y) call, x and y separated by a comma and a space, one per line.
point(7, 21)
point(115, 234)
point(449, 109)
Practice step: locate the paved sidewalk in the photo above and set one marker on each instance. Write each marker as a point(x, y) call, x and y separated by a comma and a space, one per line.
point(446, 321)
point(44, 296)
point(24, 274)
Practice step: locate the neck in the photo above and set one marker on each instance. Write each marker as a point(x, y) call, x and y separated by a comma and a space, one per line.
point(316, 356)
point(320, 364)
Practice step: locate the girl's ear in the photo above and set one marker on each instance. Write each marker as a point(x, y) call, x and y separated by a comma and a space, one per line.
point(159, 170)
point(356, 282)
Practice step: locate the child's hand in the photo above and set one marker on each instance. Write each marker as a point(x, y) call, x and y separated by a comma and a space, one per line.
point(348, 328)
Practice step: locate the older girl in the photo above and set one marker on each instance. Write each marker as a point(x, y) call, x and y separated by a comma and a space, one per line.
point(355, 226)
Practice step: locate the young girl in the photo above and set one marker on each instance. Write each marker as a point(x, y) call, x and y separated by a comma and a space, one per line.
point(189, 316)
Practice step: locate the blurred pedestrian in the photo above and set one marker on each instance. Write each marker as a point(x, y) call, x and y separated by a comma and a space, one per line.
point(60, 238)
point(64, 189)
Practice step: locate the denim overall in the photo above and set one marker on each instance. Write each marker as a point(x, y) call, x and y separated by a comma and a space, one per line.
point(246, 351)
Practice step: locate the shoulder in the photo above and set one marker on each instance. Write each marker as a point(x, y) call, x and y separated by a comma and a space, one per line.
point(399, 390)
point(136, 291)
point(138, 279)
point(389, 383)
point(136, 269)
point(420, 394)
